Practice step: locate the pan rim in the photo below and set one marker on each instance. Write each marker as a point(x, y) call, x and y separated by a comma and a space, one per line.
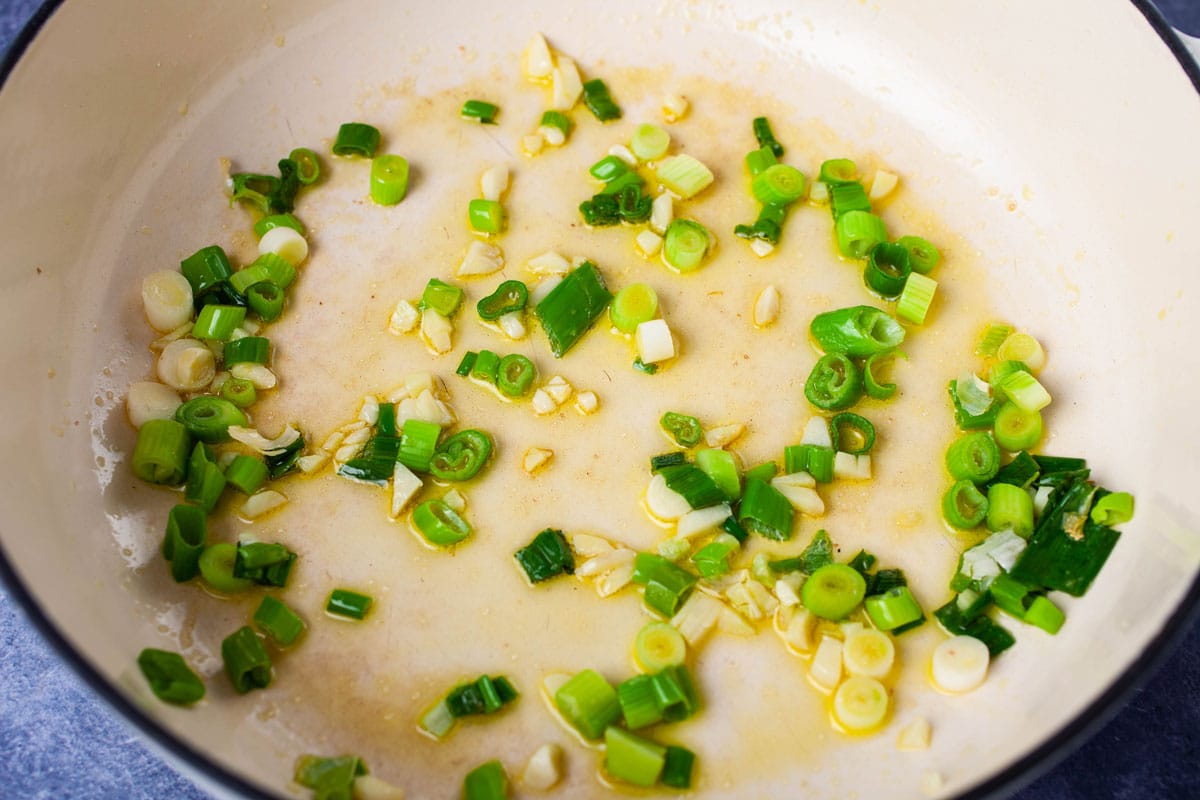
point(1007, 781)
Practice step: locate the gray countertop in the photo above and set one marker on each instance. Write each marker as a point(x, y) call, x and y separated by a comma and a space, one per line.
point(58, 740)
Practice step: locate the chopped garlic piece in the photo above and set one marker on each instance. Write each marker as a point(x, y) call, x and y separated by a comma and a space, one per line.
point(932, 783)
point(369, 413)
point(624, 153)
point(854, 468)
point(311, 463)
point(262, 502)
point(455, 499)
point(663, 502)
point(405, 486)
point(346, 452)
point(351, 427)
point(494, 182)
point(357, 437)
point(600, 564)
point(826, 667)
point(161, 342)
point(587, 402)
point(256, 441)
point(883, 184)
point(532, 144)
point(761, 247)
point(701, 520)
point(662, 211)
point(535, 458)
point(558, 388)
point(513, 325)
point(915, 735)
point(548, 263)
point(586, 545)
point(818, 193)
point(258, 374)
point(674, 107)
point(544, 768)
point(333, 441)
point(786, 593)
point(543, 403)
point(566, 85)
point(724, 434)
point(543, 287)
point(481, 258)
point(697, 617)
point(369, 787)
point(802, 498)
point(537, 62)
point(654, 341)
point(766, 307)
point(817, 432)
point(797, 626)
point(648, 243)
point(616, 580)
point(437, 330)
point(251, 327)
point(734, 624)
point(404, 318)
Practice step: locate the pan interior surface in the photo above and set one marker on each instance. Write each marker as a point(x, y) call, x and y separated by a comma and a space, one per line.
point(1063, 184)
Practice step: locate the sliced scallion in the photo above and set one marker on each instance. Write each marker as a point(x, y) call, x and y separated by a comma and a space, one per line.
point(480, 110)
point(217, 563)
point(858, 232)
point(685, 244)
point(441, 297)
point(547, 556)
point(964, 506)
point(922, 255)
point(834, 383)
point(780, 184)
point(246, 661)
point(667, 584)
point(572, 307)
point(765, 511)
point(633, 305)
point(649, 142)
point(514, 375)
point(598, 100)
point(589, 703)
point(418, 443)
point(170, 678)
point(511, 295)
point(345, 603)
point(461, 456)
point(485, 216)
point(389, 179)
point(439, 523)
point(275, 619)
point(765, 136)
point(631, 758)
point(852, 433)
point(356, 139)
point(247, 350)
point(187, 530)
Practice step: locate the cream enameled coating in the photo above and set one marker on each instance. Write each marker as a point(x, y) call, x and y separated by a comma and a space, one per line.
point(1031, 164)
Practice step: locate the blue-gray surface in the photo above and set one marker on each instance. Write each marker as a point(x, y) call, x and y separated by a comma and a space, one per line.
point(58, 741)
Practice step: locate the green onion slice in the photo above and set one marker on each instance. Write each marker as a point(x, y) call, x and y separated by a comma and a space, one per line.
point(633, 305)
point(308, 170)
point(515, 375)
point(974, 457)
point(684, 429)
point(356, 139)
point(964, 506)
point(922, 255)
point(685, 244)
point(281, 623)
point(216, 568)
point(462, 456)
point(838, 170)
point(485, 216)
point(766, 137)
point(389, 179)
point(833, 591)
point(170, 678)
point(183, 544)
point(572, 307)
point(858, 232)
point(780, 184)
point(598, 100)
point(887, 269)
point(547, 556)
point(871, 381)
point(589, 703)
point(345, 603)
point(440, 524)
point(834, 383)
point(852, 433)
point(278, 221)
point(649, 142)
point(246, 661)
point(857, 331)
point(247, 350)
point(162, 451)
point(480, 110)
point(442, 297)
point(759, 160)
point(509, 296)
point(1113, 509)
point(765, 511)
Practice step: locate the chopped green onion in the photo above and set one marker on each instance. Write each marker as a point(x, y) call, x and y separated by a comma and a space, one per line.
point(486, 366)
point(440, 524)
point(589, 703)
point(667, 584)
point(557, 119)
point(279, 270)
point(217, 563)
point(631, 758)
point(893, 609)
point(712, 560)
point(284, 462)
point(266, 300)
point(1010, 507)
point(376, 463)
point(684, 175)
point(385, 420)
point(356, 139)
point(462, 456)
point(644, 368)
point(277, 221)
point(170, 678)
point(467, 364)
point(480, 110)
point(1025, 392)
point(609, 169)
point(721, 466)
point(887, 269)
point(759, 160)
point(993, 337)
point(765, 137)
point(187, 530)
point(685, 430)
point(837, 171)
point(1021, 471)
point(632, 206)
point(964, 506)
point(779, 184)
point(833, 591)
point(834, 383)
point(964, 418)
point(205, 269)
point(437, 721)
point(916, 298)
point(345, 603)
point(486, 782)
point(515, 374)
point(267, 564)
point(484, 695)
point(639, 702)
point(247, 350)
point(266, 192)
point(818, 553)
point(665, 460)
point(598, 100)
point(658, 645)
point(691, 483)
point(247, 474)
point(161, 453)
point(418, 443)
point(308, 169)
point(246, 661)
point(572, 307)
point(441, 297)
point(676, 693)
point(278, 621)
point(763, 472)
point(851, 433)
point(547, 556)
point(871, 383)
point(856, 331)
point(973, 457)
point(685, 244)
point(633, 305)
point(1045, 615)
point(331, 778)
point(486, 216)
point(768, 226)
point(649, 142)
point(847, 197)
point(858, 232)
point(509, 296)
point(765, 511)
point(602, 210)
point(677, 770)
point(243, 279)
point(1009, 595)
point(1113, 509)
point(994, 636)
point(218, 322)
point(922, 256)
point(389, 179)
point(815, 459)
point(206, 481)
point(1067, 549)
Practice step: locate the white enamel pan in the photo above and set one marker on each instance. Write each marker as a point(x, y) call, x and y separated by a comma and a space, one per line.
point(1058, 140)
